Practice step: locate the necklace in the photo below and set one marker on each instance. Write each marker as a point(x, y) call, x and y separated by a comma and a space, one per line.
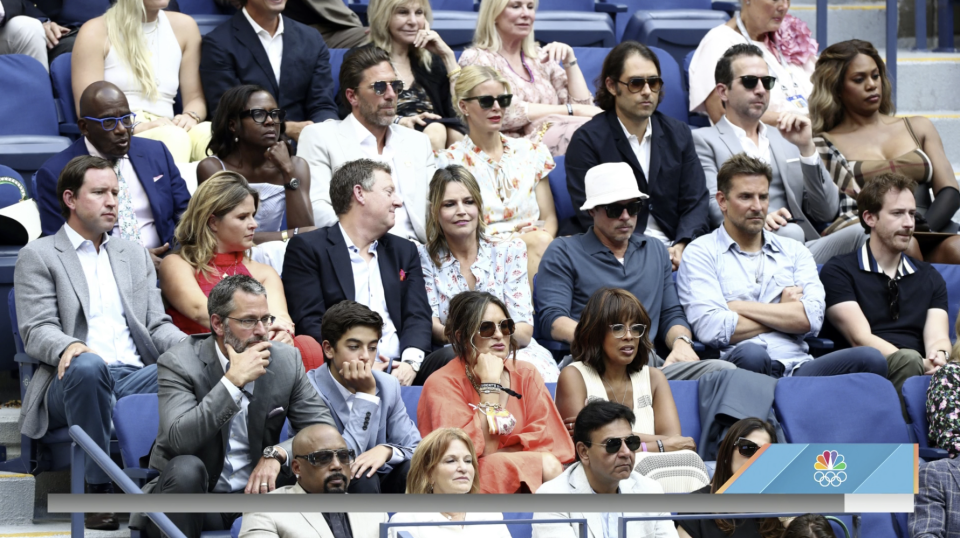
point(233, 267)
point(625, 388)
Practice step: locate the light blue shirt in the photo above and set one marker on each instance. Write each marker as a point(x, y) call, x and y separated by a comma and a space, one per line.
point(715, 271)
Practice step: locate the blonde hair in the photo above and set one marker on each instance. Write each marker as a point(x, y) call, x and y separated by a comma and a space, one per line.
point(125, 31)
point(486, 37)
point(429, 453)
point(471, 77)
point(216, 197)
point(436, 242)
point(826, 107)
point(379, 14)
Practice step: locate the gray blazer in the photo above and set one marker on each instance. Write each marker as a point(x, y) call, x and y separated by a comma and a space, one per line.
point(53, 302)
point(809, 191)
point(937, 507)
point(391, 425)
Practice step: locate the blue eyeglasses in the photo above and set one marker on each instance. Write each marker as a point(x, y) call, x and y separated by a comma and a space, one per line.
point(110, 124)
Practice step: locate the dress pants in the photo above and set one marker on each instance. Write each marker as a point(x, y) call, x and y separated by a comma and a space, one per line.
point(755, 358)
point(393, 482)
point(187, 474)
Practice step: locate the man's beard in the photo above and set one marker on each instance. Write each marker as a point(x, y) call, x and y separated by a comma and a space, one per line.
point(239, 345)
point(334, 476)
point(372, 115)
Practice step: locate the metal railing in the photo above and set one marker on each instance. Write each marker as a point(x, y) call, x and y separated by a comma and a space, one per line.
point(891, 35)
point(622, 521)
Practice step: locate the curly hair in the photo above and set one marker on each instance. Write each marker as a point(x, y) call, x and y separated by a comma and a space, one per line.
point(826, 106)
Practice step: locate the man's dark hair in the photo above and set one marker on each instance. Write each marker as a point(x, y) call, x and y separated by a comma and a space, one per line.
point(359, 172)
point(872, 194)
point(613, 69)
point(346, 315)
point(220, 301)
point(809, 526)
point(596, 415)
point(72, 175)
point(723, 74)
point(355, 62)
point(741, 164)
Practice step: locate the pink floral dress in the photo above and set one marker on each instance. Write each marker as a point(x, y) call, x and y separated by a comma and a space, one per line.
point(501, 270)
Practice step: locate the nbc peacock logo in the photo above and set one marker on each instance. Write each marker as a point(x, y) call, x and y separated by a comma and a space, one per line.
point(830, 469)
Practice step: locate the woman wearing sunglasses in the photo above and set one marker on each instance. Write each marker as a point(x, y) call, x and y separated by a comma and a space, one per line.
point(501, 403)
point(150, 54)
point(248, 138)
point(458, 257)
point(610, 354)
point(511, 172)
point(446, 463)
point(742, 441)
point(788, 48)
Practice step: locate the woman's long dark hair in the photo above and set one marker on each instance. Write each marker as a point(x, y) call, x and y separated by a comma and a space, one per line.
point(606, 307)
point(232, 104)
point(769, 527)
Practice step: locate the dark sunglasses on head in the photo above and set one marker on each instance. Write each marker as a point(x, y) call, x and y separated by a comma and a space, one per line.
point(746, 447)
point(613, 445)
point(488, 328)
point(636, 84)
point(750, 81)
point(486, 101)
point(380, 86)
point(615, 210)
point(321, 458)
point(893, 295)
point(109, 124)
point(259, 115)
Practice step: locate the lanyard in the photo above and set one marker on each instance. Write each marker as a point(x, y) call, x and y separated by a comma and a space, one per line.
point(783, 87)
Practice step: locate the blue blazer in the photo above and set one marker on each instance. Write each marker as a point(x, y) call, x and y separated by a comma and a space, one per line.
point(232, 55)
point(369, 424)
point(937, 507)
point(155, 168)
point(676, 186)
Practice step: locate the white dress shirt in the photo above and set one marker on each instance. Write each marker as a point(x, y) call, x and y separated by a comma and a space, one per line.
point(350, 397)
point(368, 144)
point(272, 44)
point(238, 464)
point(642, 150)
point(141, 203)
point(107, 331)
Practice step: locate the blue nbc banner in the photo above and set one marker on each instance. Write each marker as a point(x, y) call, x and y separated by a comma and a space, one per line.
point(828, 468)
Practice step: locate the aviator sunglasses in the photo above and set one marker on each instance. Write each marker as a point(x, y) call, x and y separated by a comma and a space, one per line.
point(488, 328)
point(613, 445)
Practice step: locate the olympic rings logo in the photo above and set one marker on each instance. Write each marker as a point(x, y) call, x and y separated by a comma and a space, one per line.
point(830, 478)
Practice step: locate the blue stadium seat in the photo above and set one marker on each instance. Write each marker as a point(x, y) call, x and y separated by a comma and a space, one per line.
point(558, 188)
point(951, 275)
point(63, 92)
point(914, 392)
point(686, 396)
point(519, 531)
point(235, 528)
point(77, 12)
point(411, 397)
point(674, 102)
point(676, 30)
point(137, 420)
point(552, 387)
point(31, 134)
point(634, 6)
point(336, 60)
point(579, 11)
point(590, 60)
point(456, 32)
point(207, 13)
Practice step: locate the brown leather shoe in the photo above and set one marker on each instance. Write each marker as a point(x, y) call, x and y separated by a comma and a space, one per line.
point(101, 522)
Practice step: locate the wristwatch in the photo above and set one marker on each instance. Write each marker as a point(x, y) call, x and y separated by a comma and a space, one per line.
point(414, 365)
point(293, 185)
point(685, 338)
point(274, 452)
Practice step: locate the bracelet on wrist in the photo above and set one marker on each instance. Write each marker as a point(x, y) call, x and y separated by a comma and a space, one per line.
point(455, 72)
point(660, 445)
point(194, 115)
point(572, 62)
point(569, 109)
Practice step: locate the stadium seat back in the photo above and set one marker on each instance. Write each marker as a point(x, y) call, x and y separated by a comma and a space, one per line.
point(552, 387)
point(336, 60)
point(915, 397)
point(200, 7)
point(519, 531)
point(951, 275)
point(137, 420)
point(77, 12)
point(12, 310)
point(411, 398)
point(62, 87)
point(674, 102)
point(654, 5)
point(686, 396)
point(27, 102)
point(558, 188)
point(590, 60)
point(566, 5)
point(235, 528)
point(452, 5)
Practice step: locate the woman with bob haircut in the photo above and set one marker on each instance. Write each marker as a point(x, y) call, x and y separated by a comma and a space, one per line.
point(610, 362)
point(501, 403)
point(444, 463)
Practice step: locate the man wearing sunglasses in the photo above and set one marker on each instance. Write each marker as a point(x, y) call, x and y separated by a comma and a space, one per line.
point(321, 462)
point(801, 191)
point(882, 298)
point(606, 447)
point(610, 253)
point(152, 194)
point(658, 148)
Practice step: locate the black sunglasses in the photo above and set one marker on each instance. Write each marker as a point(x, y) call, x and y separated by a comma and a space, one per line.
point(380, 86)
point(615, 210)
point(486, 101)
point(259, 115)
point(613, 445)
point(750, 81)
point(636, 84)
point(322, 458)
point(893, 295)
point(746, 447)
point(488, 328)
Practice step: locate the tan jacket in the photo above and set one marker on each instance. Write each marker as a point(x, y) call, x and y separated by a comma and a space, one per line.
point(304, 525)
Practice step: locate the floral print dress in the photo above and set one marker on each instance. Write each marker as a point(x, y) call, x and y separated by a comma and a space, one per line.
point(943, 409)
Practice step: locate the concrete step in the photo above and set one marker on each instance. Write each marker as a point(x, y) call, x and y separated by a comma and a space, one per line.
point(861, 20)
point(9, 429)
point(927, 81)
point(17, 492)
point(57, 529)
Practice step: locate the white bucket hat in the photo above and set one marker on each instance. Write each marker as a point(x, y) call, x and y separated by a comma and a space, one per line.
point(608, 183)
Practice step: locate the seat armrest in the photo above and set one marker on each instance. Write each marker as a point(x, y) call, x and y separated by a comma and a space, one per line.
point(820, 344)
point(728, 7)
point(603, 7)
point(933, 454)
point(23, 358)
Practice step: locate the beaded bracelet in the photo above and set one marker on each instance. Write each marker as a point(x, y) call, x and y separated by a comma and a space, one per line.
point(499, 420)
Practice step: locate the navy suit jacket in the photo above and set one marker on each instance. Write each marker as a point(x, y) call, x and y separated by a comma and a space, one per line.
point(369, 424)
point(155, 168)
point(676, 186)
point(232, 55)
point(317, 274)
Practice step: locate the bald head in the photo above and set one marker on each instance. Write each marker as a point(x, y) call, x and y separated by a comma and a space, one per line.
point(317, 437)
point(332, 476)
point(99, 93)
point(103, 101)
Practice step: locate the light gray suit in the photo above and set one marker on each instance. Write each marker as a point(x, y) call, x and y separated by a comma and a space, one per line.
point(809, 192)
point(53, 303)
point(329, 145)
point(304, 525)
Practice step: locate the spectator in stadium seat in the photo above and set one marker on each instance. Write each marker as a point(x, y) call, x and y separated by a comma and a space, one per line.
point(606, 450)
point(97, 336)
point(809, 526)
point(21, 32)
point(459, 257)
point(151, 55)
point(321, 462)
point(340, 27)
point(755, 295)
point(787, 46)
point(369, 84)
point(741, 442)
point(866, 289)
point(851, 108)
point(62, 25)
point(511, 172)
point(223, 400)
point(501, 403)
point(658, 149)
point(365, 403)
point(424, 63)
point(943, 415)
point(611, 355)
point(152, 194)
point(801, 193)
point(937, 507)
point(575, 267)
point(446, 463)
point(247, 138)
point(260, 46)
point(551, 101)
point(359, 260)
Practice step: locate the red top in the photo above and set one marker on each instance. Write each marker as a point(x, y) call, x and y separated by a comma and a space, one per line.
point(224, 265)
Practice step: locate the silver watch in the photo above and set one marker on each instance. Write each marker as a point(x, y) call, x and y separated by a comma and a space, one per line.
point(685, 338)
point(274, 452)
point(414, 365)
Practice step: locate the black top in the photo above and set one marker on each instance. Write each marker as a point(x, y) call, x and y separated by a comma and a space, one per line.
point(707, 528)
point(857, 277)
point(437, 86)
